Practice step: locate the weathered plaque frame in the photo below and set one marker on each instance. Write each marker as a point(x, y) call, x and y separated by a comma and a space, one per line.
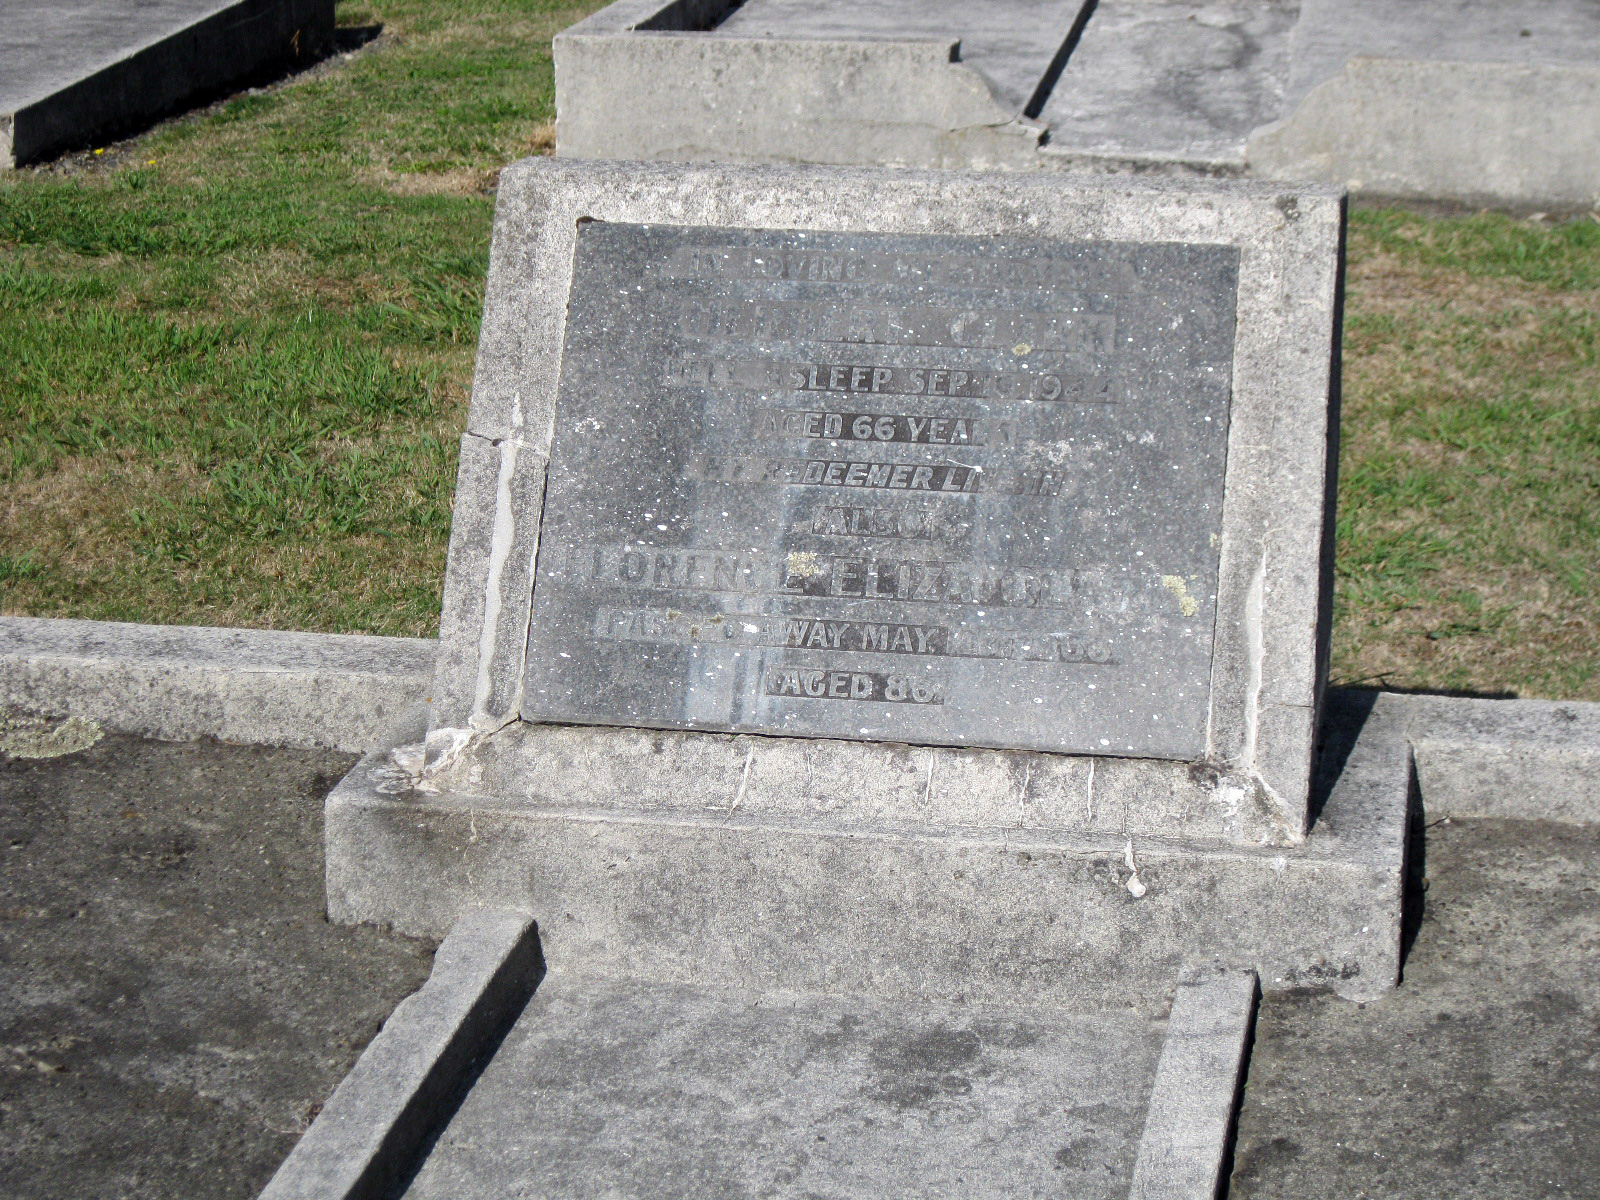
point(1271, 596)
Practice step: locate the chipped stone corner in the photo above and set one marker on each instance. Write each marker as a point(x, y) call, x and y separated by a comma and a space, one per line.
point(432, 766)
point(1242, 794)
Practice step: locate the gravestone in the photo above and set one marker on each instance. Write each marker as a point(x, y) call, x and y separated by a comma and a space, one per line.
point(882, 650)
point(819, 533)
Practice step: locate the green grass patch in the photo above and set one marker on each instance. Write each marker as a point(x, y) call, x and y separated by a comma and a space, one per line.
point(1469, 505)
point(238, 348)
point(238, 353)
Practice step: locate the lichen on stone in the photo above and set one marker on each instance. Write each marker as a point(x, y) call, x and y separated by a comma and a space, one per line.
point(39, 737)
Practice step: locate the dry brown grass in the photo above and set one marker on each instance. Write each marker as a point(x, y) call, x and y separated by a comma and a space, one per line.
point(1467, 561)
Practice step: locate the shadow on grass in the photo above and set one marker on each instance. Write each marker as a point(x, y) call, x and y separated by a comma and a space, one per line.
point(1375, 687)
point(349, 38)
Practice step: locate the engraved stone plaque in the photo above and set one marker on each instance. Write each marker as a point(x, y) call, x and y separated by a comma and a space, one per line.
point(928, 489)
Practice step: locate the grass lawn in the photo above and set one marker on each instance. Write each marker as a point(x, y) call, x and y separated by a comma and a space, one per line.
point(237, 353)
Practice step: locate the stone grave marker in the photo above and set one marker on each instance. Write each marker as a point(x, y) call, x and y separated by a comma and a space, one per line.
point(1016, 464)
point(92, 69)
point(882, 534)
point(882, 649)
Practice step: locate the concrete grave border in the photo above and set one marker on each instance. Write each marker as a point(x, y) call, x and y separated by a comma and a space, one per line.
point(376, 1125)
point(640, 74)
point(254, 686)
point(1276, 528)
point(184, 51)
point(1532, 760)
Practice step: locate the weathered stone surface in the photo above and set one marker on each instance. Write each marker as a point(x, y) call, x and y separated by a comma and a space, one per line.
point(367, 1138)
point(1526, 760)
point(1465, 100)
point(174, 1005)
point(1180, 84)
point(71, 71)
point(1473, 132)
point(642, 79)
point(1475, 1079)
point(1189, 1121)
point(628, 1090)
point(1271, 586)
point(1011, 43)
point(793, 900)
point(929, 490)
point(174, 682)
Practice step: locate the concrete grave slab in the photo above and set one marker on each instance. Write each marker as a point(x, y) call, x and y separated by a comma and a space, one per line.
point(1174, 84)
point(913, 85)
point(1474, 1079)
point(629, 1090)
point(633, 1090)
point(1524, 760)
point(174, 1005)
point(1469, 100)
point(76, 70)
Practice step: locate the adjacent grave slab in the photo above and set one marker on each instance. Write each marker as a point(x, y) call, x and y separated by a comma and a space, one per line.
point(75, 70)
point(913, 85)
point(1469, 100)
point(174, 1005)
point(1475, 1079)
point(1180, 84)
